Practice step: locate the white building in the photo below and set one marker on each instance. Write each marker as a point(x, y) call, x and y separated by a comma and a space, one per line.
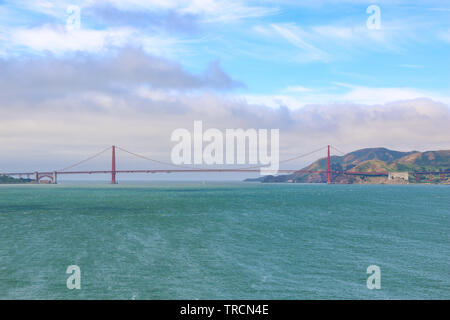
point(398, 176)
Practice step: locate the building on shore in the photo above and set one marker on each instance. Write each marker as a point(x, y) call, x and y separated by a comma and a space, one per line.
point(398, 177)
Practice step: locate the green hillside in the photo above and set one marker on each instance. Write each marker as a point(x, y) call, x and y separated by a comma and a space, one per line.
point(10, 180)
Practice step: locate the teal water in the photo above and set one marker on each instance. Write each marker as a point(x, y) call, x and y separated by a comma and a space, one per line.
point(224, 241)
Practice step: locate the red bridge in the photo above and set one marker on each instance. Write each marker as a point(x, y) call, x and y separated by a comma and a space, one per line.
point(53, 175)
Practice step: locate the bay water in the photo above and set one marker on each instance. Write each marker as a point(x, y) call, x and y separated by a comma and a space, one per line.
point(224, 240)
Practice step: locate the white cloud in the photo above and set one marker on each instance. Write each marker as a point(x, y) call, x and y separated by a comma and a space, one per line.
point(376, 95)
point(341, 93)
point(54, 37)
point(275, 101)
point(337, 32)
point(57, 39)
point(208, 10)
point(121, 69)
point(357, 34)
point(337, 41)
point(295, 35)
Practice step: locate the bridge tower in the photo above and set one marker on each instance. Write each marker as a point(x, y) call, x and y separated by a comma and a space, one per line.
point(328, 166)
point(113, 166)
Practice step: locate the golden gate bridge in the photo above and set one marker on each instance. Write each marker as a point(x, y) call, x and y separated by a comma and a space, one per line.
point(38, 176)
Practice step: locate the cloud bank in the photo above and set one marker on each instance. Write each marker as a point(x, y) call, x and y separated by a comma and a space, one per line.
point(54, 110)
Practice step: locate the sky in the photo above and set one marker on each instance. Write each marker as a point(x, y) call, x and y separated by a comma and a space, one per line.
point(130, 72)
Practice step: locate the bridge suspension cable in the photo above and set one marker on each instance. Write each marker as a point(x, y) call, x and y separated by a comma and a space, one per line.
point(242, 168)
point(85, 160)
point(182, 166)
point(339, 151)
point(285, 160)
point(150, 159)
point(302, 155)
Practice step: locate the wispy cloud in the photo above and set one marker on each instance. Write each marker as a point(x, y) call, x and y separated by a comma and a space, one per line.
point(338, 40)
point(58, 40)
point(339, 93)
point(206, 10)
point(294, 35)
point(371, 95)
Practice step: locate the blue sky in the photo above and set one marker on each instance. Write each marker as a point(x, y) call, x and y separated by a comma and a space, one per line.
point(295, 49)
point(136, 70)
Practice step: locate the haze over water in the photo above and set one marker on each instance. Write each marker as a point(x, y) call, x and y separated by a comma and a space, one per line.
point(224, 240)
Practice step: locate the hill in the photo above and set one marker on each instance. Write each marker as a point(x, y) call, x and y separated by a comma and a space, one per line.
point(10, 180)
point(371, 160)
